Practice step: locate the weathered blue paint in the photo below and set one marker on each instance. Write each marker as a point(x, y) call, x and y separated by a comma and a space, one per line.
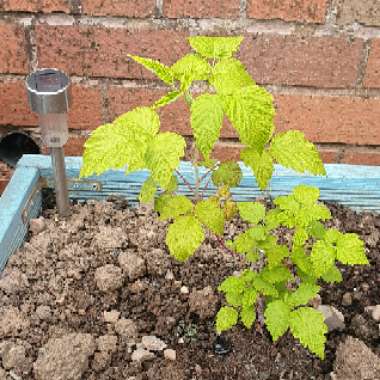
point(351, 185)
point(357, 187)
point(20, 202)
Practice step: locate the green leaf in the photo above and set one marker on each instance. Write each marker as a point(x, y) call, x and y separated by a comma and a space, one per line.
point(317, 230)
point(277, 315)
point(307, 195)
point(307, 325)
point(332, 235)
point(302, 261)
point(163, 155)
point(215, 47)
point(274, 252)
point(191, 67)
point(322, 257)
point(300, 236)
point(172, 206)
point(275, 275)
point(260, 163)
point(226, 318)
point(232, 284)
point(211, 215)
point(251, 113)
point(333, 275)
point(244, 243)
point(292, 150)
point(264, 287)
point(148, 190)
point(113, 146)
point(248, 316)
point(350, 250)
point(229, 76)
point(228, 174)
point(252, 212)
point(275, 218)
point(170, 97)
point(184, 237)
point(206, 122)
point(249, 297)
point(304, 293)
point(160, 70)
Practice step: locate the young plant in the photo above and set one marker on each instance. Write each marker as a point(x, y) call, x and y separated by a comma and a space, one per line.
point(286, 277)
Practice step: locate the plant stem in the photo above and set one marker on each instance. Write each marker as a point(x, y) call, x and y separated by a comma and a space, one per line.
point(222, 244)
point(185, 181)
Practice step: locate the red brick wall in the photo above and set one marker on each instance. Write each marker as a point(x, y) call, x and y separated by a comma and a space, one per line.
point(320, 59)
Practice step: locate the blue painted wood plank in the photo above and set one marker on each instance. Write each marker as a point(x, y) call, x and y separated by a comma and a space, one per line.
point(355, 186)
point(20, 202)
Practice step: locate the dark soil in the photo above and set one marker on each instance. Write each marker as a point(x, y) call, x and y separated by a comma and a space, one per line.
point(56, 294)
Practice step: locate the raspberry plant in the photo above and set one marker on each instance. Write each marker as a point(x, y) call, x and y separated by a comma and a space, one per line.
point(283, 278)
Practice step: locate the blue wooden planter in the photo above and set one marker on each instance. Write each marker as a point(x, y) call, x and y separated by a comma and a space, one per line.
point(357, 187)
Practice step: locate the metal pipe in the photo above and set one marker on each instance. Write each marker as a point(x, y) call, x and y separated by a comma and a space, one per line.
point(61, 191)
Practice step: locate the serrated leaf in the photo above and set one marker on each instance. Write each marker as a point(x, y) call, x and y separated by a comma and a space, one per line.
point(274, 252)
point(228, 174)
point(350, 250)
point(322, 257)
point(292, 150)
point(184, 237)
point(248, 316)
point(206, 121)
point(226, 318)
point(148, 190)
point(333, 275)
point(191, 67)
point(211, 215)
point(306, 214)
point(306, 195)
point(173, 184)
point(317, 230)
point(170, 97)
point(215, 47)
point(275, 275)
point(300, 236)
point(302, 261)
point(275, 218)
point(229, 76)
point(302, 295)
point(260, 163)
point(172, 206)
point(251, 113)
point(277, 315)
point(252, 212)
point(264, 287)
point(232, 284)
point(121, 144)
point(249, 297)
point(307, 325)
point(163, 155)
point(160, 70)
point(332, 235)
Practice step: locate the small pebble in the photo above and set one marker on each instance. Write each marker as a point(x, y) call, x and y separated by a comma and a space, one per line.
point(111, 316)
point(184, 290)
point(347, 299)
point(222, 346)
point(37, 225)
point(170, 354)
point(376, 313)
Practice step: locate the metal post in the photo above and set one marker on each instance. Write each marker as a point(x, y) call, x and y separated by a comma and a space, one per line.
point(61, 192)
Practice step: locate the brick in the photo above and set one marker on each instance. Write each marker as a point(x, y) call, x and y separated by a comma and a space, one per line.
point(372, 77)
point(227, 151)
point(74, 146)
point(309, 11)
point(329, 155)
point(97, 51)
point(361, 156)
point(126, 8)
point(365, 12)
point(201, 8)
point(14, 108)
point(330, 62)
point(13, 51)
point(324, 119)
point(45, 6)
point(85, 112)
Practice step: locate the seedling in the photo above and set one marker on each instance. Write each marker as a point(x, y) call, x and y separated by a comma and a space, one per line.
point(288, 274)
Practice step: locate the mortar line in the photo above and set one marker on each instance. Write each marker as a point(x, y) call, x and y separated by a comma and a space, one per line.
point(159, 8)
point(243, 9)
